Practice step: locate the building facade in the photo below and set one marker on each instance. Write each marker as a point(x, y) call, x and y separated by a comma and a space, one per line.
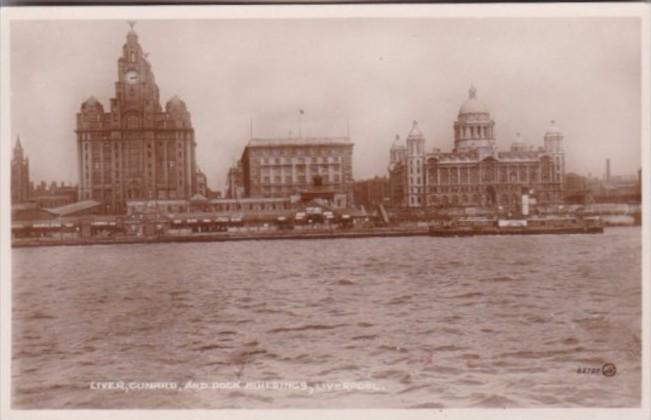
point(137, 150)
point(235, 181)
point(371, 193)
point(202, 183)
point(476, 173)
point(54, 195)
point(20, 184)
point(311, 167)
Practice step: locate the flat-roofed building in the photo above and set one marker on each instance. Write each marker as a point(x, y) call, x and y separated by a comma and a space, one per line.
point(312, 167)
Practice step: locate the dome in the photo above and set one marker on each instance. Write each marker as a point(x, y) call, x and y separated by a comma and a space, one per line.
point(473, 105)
point(175, 105)
point(92, 104)
point(519, 144)
point(396, 143)
point(553, 129)
point(415, 132)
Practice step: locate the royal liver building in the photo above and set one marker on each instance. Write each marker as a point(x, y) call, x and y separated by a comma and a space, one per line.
point(137, 150)
point(476, 173)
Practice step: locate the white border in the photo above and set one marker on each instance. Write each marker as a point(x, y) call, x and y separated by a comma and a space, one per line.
point(9, 14)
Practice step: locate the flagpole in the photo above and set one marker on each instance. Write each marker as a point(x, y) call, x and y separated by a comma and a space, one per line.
point(300, 132)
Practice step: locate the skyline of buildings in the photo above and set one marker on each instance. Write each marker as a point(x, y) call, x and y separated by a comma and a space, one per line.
point(138, 151)
point(225, 83)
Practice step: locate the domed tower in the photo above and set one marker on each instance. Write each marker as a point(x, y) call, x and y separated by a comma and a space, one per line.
point(474, 126)
point(554, 146)
point(415, 167)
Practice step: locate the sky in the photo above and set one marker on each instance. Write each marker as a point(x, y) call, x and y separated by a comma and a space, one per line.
point(369, 77)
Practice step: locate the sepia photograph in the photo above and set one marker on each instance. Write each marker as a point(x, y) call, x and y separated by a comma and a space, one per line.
point(414, 207)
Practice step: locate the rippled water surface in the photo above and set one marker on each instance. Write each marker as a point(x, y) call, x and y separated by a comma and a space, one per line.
point(429, 322)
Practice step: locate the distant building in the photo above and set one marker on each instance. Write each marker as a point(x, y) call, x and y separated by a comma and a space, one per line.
point(371, 192)
point(202, 183)
point(211, 194)
point(54, 195)
point(588, 190)
point(312, 167)
point(476, 173)
point(20, 184)
point(576, 189)
point(157, 207)
point(235, 181)
point(137, 150)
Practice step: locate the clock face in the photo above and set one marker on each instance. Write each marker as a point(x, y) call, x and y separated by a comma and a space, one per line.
point(132, 77)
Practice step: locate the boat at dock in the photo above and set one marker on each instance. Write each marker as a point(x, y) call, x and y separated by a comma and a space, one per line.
point(528, 226)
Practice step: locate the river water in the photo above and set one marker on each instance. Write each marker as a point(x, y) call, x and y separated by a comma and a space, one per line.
point(366, 323)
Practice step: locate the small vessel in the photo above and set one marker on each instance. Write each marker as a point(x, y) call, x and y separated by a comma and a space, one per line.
point(524, 226)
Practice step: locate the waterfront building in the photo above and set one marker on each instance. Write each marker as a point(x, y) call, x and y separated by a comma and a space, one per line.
point(20, 184)
point(54, 195)
point(202, 183)
point(235, 181)
point(312, 167)
point(476, 173)
point(137, 150)
point(576, 189)
point(371, 193)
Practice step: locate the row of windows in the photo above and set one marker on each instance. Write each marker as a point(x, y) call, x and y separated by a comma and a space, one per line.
point(299, 169)
point(301, 179)
point(299, 160)
point(505, 199)
point(312, 151)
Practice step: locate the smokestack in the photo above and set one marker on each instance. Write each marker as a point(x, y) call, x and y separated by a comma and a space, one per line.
point(607, 169)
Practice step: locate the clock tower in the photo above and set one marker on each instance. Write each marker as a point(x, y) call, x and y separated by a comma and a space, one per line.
point(137, 150)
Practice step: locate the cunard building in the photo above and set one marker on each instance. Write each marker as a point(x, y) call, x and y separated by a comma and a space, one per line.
point(310, 167)
point(138, 150)
point(476, 173)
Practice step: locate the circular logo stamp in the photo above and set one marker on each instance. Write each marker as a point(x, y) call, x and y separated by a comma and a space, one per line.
point(608, 370)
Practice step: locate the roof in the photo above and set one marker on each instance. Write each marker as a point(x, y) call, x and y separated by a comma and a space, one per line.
point(198, 197)
point(553, 129)
point(70, 209)
point(249, 200)
point(300, 141)
point(415, 132)
point(474, 157)
point(473, 105)
point(30, 205)
point(396, 143)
